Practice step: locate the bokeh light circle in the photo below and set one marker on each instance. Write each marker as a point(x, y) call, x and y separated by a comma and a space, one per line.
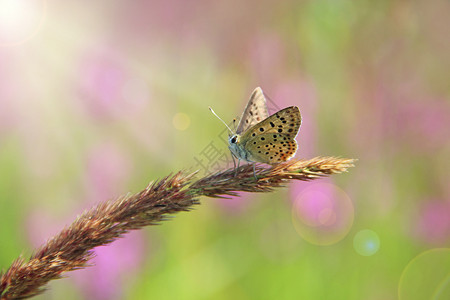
point(322, 214)
point(427, 276)
point(20, 20)
point(366, 242)
point(181, 121)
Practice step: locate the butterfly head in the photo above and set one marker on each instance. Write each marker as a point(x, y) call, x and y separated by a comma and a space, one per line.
point(233, 139)
point(235, 146)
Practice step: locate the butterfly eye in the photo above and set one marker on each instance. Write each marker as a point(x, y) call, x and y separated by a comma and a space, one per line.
point(233, 140)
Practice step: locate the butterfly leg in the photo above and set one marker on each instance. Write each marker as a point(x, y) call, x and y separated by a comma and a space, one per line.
point(254, 173)
point(239, 161)
point(234, 162)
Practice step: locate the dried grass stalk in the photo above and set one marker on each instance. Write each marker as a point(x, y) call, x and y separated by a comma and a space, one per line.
point(71, 249)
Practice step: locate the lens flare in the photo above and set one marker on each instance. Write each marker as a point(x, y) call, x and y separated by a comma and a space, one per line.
point(322, 214)
point(181, 121)
point(20, 20)
point(426, 276)
point(366, 242)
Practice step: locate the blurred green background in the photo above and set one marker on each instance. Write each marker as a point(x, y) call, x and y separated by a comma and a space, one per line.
point(97, 98)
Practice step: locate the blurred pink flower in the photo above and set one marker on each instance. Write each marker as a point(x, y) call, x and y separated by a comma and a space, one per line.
point(41, 226)
point(183, 25)
point(422, 125)
point(113, 266)
point(432, 224)
point(402, 117)
point(101, 79)
point(107, 88)
point(268, 58)
point(107, 170)
point(157, 18)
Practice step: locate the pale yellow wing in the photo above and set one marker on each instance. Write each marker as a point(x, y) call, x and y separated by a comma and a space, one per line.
point(271, 148)
point(286, 121)
point(254, 112)
point(273, 139)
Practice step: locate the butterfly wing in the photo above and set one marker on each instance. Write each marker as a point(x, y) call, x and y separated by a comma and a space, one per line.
point(273, 149)
point(255, 111)
point(273, 139)
point(286, 121)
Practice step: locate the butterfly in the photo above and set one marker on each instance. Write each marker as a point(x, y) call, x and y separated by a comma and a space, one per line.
point(263, 138)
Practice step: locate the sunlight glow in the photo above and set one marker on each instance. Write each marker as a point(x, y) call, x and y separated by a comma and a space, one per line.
point(19, 20)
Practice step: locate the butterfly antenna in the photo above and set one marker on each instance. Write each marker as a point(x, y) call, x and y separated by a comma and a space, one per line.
point(220, 119)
